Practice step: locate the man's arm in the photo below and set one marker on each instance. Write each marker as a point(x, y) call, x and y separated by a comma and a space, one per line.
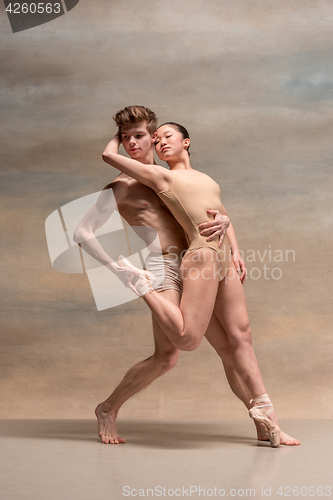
point(154, 176)
point(94, 219)
point(216, 227)
point(85, 237)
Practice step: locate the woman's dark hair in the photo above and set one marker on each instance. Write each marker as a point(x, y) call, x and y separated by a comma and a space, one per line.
point(180, 129)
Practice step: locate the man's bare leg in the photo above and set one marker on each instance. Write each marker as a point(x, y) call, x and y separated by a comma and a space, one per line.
point(137, 378)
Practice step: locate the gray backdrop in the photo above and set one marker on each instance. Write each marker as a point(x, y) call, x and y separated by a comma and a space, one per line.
point(253, 82)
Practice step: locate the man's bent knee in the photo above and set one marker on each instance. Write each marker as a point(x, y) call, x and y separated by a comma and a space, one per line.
point(240, 336)
point(190, 343)
point(167, 360)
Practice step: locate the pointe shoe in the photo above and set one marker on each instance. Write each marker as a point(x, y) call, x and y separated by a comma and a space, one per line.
point(260, 416)
point(143, 286)
point(144, 282)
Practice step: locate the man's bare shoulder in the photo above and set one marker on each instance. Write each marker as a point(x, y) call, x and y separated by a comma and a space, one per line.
point(113, 192)
point(117, 187)
point(115, 184)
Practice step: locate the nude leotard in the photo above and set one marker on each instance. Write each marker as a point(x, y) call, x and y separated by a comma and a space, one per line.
point(188, 198)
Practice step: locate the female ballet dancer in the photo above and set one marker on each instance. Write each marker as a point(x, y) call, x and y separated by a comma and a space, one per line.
point(212, 291)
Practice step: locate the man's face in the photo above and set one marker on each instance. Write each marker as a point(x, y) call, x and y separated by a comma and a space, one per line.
point(136, 140)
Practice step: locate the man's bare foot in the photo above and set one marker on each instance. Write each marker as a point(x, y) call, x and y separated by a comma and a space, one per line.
point(107, 429)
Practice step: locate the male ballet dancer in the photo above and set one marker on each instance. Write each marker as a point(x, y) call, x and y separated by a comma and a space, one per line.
point(141, 207)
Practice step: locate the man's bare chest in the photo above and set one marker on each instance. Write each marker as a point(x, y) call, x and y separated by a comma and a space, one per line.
point(137, 196)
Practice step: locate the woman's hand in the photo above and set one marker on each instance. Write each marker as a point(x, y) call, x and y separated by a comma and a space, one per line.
point(240, 265)
point(216, 227)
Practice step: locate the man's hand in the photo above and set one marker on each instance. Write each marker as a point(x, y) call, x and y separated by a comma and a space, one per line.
point(216, 227)
point(240, 266)
point(127, 275)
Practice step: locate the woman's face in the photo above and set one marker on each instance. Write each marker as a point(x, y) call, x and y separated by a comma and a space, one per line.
point(169, 143)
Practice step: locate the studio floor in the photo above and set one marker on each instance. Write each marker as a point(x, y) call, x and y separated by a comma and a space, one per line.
point(64, 460)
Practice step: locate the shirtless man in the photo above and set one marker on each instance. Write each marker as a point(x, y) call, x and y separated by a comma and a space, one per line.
point(140, 206)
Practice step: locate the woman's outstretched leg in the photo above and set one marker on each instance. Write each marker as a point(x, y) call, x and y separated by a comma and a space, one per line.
point(186, 326)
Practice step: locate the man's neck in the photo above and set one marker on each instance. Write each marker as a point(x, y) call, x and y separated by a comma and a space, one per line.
point(148, 159)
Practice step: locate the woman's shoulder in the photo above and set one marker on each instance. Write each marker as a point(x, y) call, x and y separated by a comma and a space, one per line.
point(198, 173)
point(207, 178)
point(164, 178)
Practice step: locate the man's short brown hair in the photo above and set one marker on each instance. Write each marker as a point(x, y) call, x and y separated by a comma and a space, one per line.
point(136, 114)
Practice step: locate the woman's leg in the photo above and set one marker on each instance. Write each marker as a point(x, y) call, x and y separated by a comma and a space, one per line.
point(217, 337)
point(185, 327)
point(231, 311)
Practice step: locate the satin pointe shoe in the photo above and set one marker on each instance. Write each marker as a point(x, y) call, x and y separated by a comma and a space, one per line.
point(144, 282)
point(260, 416)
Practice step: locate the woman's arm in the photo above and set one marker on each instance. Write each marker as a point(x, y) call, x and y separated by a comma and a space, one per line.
point(220, 226)
point(154, 176)
point(236, 255)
